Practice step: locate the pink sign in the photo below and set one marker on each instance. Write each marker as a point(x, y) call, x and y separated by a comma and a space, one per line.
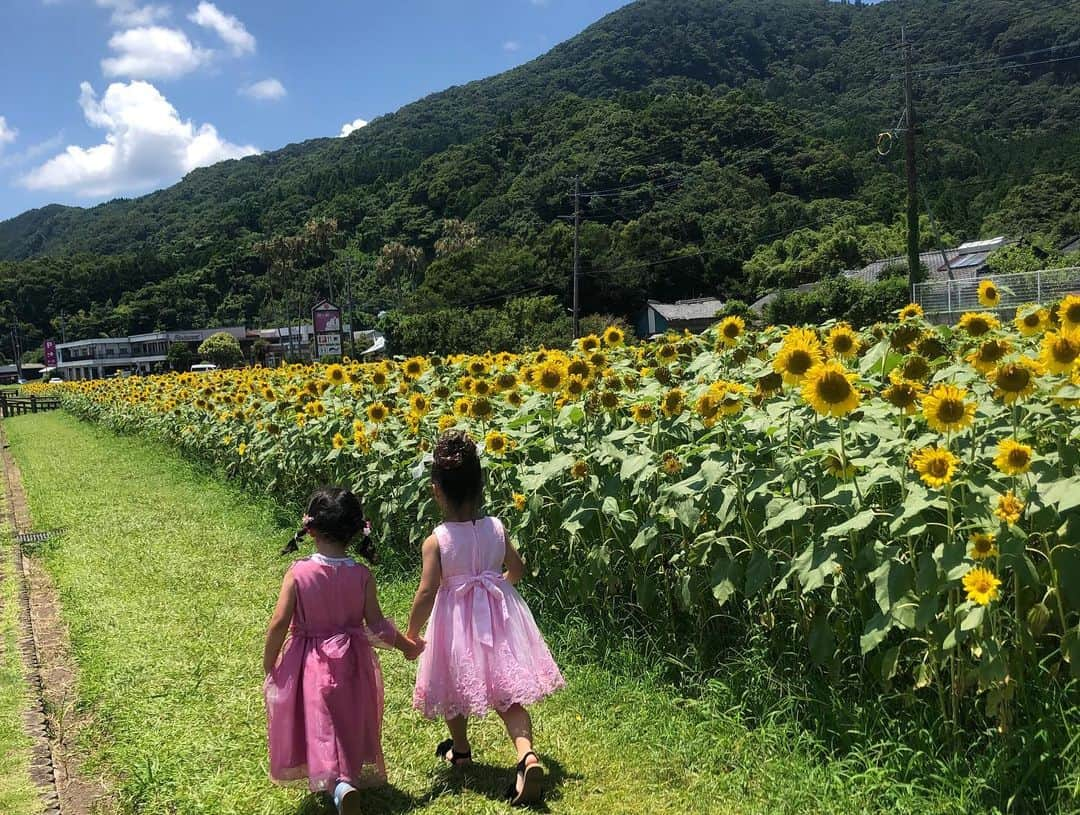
point(50, 353)
point(327, 318)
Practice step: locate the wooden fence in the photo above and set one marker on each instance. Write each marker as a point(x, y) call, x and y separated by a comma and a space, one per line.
point(21, 405)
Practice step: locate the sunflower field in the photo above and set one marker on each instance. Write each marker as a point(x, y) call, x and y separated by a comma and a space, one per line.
point(903, 501)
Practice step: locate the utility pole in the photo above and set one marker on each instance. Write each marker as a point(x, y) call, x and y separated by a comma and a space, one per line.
point(577, 255)
point(912, 177)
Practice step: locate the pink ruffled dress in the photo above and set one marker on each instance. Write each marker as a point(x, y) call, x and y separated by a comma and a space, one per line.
point(484, 651)
point(324, 699)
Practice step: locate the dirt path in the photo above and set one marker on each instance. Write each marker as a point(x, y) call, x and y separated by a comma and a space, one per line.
point(54, 721)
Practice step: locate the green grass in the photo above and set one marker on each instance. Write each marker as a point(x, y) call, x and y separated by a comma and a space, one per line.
point(167, 577)
point(18, 795)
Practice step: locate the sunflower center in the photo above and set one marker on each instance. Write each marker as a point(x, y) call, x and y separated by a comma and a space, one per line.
point(916, 368)
point(1013, 378)
point(1032, 320)
point(991, 351)
point(1072, 313)
point(550, 379)
point(951, 410)
point(938, 467)
point(1018, 457)
point(834, 388)
point(977, 326)
point(991, 293)
point(1065, 351)
point(982, 545)
point(731, 331)
point(799, 362)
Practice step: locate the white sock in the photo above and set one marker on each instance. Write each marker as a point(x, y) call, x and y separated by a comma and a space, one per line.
point(340, 790)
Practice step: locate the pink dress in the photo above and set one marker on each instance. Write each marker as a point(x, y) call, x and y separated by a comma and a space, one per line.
point(484, 651)
point(324, 699)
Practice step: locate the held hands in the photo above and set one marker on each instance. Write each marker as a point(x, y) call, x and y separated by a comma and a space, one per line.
point(412, 646)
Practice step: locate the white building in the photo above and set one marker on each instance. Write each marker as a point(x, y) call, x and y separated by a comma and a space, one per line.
point(141, 353)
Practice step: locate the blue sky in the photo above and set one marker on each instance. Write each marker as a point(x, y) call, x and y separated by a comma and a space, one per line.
point(109, 98)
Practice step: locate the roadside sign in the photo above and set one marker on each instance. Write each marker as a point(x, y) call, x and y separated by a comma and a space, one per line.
point(326, 319)
point(50, 353)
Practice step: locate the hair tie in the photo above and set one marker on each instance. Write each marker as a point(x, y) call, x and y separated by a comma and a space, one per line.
point(367, 529)
point(306, 522)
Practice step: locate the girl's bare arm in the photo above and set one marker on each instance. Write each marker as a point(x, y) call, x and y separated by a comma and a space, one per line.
point(376, 621)
point(279, 623)
point(430, 578)
point(512, 560)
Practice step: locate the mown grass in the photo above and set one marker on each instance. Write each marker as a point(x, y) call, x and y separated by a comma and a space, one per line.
point(167, 577)
point(18, 795)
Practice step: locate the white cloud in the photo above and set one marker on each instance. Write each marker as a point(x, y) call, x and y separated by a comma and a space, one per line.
point(153, 53)
point(31, 153)
point(349, 127)
point(266, 89)
point(128, 13)
point(146, 145)
point(230, 29)
point(7, 133)
point(511, 46)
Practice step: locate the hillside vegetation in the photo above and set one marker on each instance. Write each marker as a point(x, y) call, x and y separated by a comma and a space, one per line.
point(724, 147)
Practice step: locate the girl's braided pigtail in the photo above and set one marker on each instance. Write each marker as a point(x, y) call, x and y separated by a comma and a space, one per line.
point(294, 544)
point(365, 546)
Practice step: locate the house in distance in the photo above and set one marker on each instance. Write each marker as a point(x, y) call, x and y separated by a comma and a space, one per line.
point(695, 315)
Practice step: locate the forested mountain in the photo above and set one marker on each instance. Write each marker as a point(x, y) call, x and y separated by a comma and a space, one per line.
point(723, 146)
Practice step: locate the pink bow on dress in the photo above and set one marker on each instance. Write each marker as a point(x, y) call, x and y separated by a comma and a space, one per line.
point(491, 582)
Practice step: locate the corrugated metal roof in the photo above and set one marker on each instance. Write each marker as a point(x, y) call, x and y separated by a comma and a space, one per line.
point(988, 245)
point(704, 308)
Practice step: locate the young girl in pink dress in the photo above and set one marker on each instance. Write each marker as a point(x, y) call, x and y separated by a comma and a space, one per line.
point(324, 696)
point(482, 649)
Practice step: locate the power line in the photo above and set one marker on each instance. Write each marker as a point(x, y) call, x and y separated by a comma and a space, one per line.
point(935, 69)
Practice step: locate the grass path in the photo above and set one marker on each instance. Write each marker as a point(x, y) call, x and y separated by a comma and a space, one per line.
point(167, 578)
point(18, 796)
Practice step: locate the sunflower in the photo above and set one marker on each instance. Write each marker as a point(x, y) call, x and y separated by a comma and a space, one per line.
point(904, 394)
point(1016, 379)
point(667, 353)
point(241, 449)
point(1069, 312)
point(829, 389)
point(477, 366)
point(462, 405)
point(335, 374)
point(769, 383)
point(361, 440)
point(835, 466)
point(731, 328)
point(481, 387)
point(495, 443)
point(598, 360)
point(934, 465)
point(609, 400)
point(549, 376)
point(842, 341)
point(981, 586)
point(1060, 351)
point(946, 409)
point(1013, 458)
point(579, 469)
point(1009, 508)
point(576, 385)
point(338, 441)
point(378, 377)
point(505, 381)
point(910, 312)
point(708, 408)
point(589, 343)
point(519, 502)
point(930, 346)
point(413, 367)
point(797, 356)
point(377, 412)
point(673, 402)
point(988, 354)
point(446, 421)
point(1031, 320)
point(670, 463)
point(613, 336)
point(514, 398)
point(915, 368)
point(643, 413)
point(729, 395)
point(441, 391)
point(903, 336)
point(481, 408)
point(989, 296)
point(977, 324)
point(419, 404)
point(579, 367)
point(983, 546)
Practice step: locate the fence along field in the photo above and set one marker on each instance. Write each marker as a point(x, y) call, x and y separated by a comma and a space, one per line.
point(904, 500)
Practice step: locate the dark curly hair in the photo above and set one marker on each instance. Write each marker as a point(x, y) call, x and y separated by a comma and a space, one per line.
point(338, 514)
point(456, 468)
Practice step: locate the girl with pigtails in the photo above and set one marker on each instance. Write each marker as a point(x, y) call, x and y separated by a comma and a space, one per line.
point(323, 688)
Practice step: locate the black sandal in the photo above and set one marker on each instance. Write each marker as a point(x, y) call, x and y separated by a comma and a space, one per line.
point(456, 758)
point(532, 780)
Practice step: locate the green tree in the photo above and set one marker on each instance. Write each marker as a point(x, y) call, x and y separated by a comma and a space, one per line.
point(180, 356)
point(222, 349)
